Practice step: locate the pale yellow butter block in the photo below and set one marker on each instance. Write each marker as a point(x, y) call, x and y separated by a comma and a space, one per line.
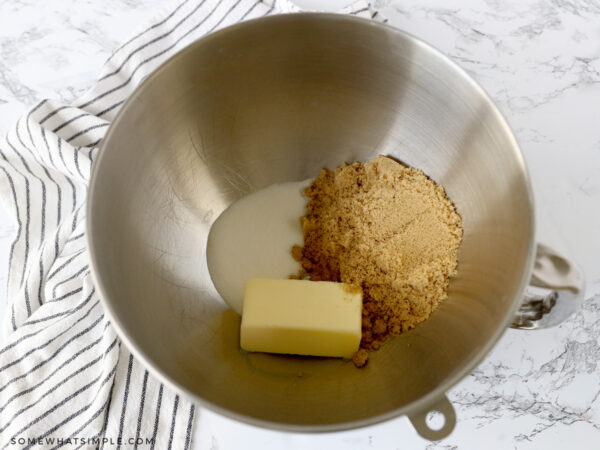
point(300, 317)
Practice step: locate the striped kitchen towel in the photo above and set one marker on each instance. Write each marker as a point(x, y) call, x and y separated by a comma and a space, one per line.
point(65, 377)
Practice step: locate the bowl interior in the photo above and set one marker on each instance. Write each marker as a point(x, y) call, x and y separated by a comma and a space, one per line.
point(276, 100)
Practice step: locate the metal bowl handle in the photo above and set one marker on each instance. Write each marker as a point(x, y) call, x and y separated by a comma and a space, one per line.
point(555, 291)
point(419, 420)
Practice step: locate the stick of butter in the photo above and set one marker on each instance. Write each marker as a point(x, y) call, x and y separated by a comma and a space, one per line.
point(300, 317)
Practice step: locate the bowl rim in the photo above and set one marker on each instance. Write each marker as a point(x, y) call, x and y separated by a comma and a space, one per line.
point(422, 404)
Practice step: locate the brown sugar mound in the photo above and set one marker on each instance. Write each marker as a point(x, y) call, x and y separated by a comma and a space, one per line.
point(389, 229)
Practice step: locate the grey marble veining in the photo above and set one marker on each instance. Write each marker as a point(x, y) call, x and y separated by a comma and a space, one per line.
point(56, 49)
point(540, 61)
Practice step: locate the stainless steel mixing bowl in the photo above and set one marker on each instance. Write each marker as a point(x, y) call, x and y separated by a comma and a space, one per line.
point(273, 100)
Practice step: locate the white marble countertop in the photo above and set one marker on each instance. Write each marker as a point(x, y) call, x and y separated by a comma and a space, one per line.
point(540, 61)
